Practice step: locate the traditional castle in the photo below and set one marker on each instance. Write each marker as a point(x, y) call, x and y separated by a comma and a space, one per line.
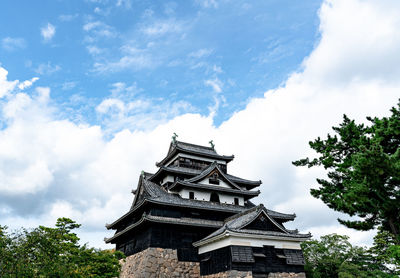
point(193, 219)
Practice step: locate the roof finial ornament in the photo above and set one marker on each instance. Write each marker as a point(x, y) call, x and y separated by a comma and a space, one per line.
point(212, 145)
point(174, 138)
point(142, 174)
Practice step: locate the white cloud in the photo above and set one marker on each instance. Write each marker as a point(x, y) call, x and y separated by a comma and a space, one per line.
point(66, 158)
point(121, 89)
point(163, 27)
point(47, 69)
point(27, 83)
point(68, 85)
point(120, 113)
point(203, 52)
point(94, 50)
point(111, 103)
point(127, 4)
point(215, 83)
point(134, 62)
point(208, 3)
point(6, 86)
point(11, 44)
point(98, 30)
point(48, 32)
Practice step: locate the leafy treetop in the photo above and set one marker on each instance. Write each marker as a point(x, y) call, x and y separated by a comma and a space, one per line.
point(363, 163)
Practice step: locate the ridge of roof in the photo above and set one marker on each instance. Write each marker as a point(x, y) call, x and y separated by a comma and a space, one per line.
point(186, 145)
point(208, 170)
point(195, 149)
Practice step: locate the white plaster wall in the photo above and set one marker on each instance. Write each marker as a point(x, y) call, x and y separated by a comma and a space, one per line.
point(229, 199)
point(253, 242)
point(221, 183)
point(198, 195)
point(167, 179)
point(205, 196)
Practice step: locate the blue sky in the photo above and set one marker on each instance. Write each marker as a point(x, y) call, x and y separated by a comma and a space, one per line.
point(197, 53)
point(92, 91)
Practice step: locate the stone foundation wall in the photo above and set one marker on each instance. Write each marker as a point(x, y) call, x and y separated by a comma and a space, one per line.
point(163, 263)
point(158, 263)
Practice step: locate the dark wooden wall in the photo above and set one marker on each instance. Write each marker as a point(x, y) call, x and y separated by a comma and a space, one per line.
point(265, 261)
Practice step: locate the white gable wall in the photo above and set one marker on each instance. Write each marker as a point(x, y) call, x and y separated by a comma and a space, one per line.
point(221, 183)
point(205, 196)
point(167, 178)
point(252, 242)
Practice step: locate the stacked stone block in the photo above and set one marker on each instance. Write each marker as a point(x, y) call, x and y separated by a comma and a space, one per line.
point(163, 263)
point(160, 263)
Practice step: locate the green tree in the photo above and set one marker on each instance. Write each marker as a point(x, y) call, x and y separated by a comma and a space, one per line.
point(363, 179)
point(333, 256)
point(385, 251)
point(54, 252)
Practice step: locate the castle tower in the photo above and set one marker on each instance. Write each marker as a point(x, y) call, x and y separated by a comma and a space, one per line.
point(192, 218)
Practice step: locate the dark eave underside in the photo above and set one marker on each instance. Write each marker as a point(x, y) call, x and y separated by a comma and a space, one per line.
point(168, 220)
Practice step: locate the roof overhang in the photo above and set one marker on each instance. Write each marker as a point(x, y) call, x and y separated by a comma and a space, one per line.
point(167, 220)
point(178, 149)
point(228, 238)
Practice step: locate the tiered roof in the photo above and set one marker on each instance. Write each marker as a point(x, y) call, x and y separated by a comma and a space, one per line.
point(193, 183)
point(156, 194)
point(183, 147)
point(150, 192)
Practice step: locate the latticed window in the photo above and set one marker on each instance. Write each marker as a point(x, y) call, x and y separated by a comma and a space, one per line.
point(214, 178)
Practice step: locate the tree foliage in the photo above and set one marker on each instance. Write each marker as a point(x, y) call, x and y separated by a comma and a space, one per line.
point(53, 252)
point(334, 256)
point(363, 163)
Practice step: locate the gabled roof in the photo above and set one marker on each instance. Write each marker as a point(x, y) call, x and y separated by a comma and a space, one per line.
point(175, 170)
point(208, 170)
point(237, 224)
point(158, 195)
point(188, 148)
point(194, 172)
point(240, 192)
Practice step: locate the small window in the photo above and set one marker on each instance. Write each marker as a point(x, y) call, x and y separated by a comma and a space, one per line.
point(191, 195)
point(214, 179)
point(236, 201)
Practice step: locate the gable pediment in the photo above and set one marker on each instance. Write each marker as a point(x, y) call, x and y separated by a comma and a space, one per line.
point(214, 176)
point(264, 222)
